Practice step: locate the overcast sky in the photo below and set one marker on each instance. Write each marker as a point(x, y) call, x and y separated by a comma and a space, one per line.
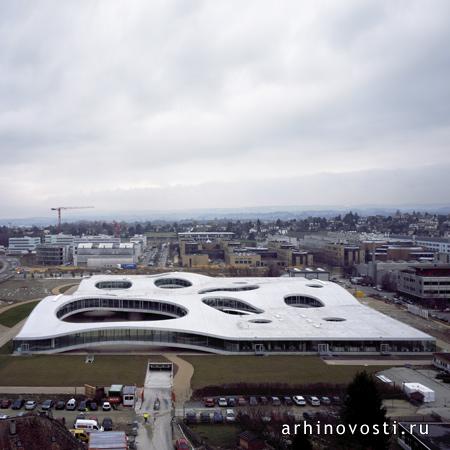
point(142, 105)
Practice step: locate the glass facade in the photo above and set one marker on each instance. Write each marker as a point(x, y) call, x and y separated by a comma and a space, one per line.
point(212, 344)
point(117, 304)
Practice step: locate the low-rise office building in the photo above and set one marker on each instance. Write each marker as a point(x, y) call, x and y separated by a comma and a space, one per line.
point(442, 361)
point(429, 285)
point(23, 245)
point(52, 254)
point(59, 239)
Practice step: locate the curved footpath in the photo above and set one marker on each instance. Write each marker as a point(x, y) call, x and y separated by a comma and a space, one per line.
point(182, 379)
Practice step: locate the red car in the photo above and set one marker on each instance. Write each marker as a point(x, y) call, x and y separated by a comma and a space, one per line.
point(5, 403)
point(209, 402)
point(242, 401)
point(182, 444)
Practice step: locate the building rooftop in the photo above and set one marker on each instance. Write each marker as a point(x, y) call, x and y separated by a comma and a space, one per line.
point(340, 316)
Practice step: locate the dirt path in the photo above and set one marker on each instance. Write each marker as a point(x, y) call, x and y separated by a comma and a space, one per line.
point(57, 289)
point(182, 379)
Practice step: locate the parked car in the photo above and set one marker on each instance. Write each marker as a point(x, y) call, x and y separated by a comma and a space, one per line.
point(60, 404)
point(47, 405)
point(18, 403)
point(314, 401)
point(93, 406)
point(106, 406)
point(253, 401)
point(299, 400)
point(182, 444)
point(4, 416)
point(191, 417)
point(325, 401)
point(82, 406)
point(5, 403)
point(71, 405)
point(263, 400)
point(288, 401)
point(231, 401)
point(336, 400)
point(205, 417)
point(217, 417)
point(30, 405)
point(222, 402)
point(107, 424)
point(209, 402)
point(275, 401)
point(242, 401)
point(230, 416)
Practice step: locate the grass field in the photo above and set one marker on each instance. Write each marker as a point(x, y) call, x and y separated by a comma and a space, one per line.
point(218, 435)
point(64, 370)
point(14, 315)
point(216, 370)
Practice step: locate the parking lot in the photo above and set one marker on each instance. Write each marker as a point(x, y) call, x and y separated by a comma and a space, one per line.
point(122, 417)
point(229, 409)
point(400, 375)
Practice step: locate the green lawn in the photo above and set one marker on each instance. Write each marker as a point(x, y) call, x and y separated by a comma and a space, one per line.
point(216, 370)
point(14, 315)
point(64, 370)
point(218, 435)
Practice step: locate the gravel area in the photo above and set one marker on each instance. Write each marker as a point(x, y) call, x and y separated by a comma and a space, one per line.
point(20, 290)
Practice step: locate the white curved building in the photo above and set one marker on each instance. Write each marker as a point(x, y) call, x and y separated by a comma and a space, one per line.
point(218, 315)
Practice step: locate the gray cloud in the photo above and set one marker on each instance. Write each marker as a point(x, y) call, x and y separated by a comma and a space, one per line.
point(107, 100)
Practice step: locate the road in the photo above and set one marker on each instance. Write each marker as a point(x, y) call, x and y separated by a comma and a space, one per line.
point(7, 267)
point(157, 434)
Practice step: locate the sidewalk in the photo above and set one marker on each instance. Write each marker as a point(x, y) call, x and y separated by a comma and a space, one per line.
point(42, 390)
point(10, 333)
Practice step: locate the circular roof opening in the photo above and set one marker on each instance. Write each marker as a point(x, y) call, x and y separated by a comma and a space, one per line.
point(172, 283)
point(241, 288)
point(303, 301)
point(113, 284)
point(315, 285)
point(260, 321)
point(334, 319)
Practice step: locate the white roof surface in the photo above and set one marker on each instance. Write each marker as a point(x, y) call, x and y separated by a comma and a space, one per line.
point(361, 322)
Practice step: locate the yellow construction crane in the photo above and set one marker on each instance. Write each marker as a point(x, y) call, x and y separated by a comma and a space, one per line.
point(60, 208)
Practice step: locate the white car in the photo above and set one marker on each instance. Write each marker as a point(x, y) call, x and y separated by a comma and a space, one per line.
point(230, 416)
point(222, 402)
point(314, 401)
point(106, 406)
point(299, 400)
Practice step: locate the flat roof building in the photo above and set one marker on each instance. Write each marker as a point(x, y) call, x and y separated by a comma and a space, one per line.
point(23, 245)
point(218, 315)
point(105, 255)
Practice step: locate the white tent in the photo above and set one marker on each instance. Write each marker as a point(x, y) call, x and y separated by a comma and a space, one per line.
point(428, 394)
